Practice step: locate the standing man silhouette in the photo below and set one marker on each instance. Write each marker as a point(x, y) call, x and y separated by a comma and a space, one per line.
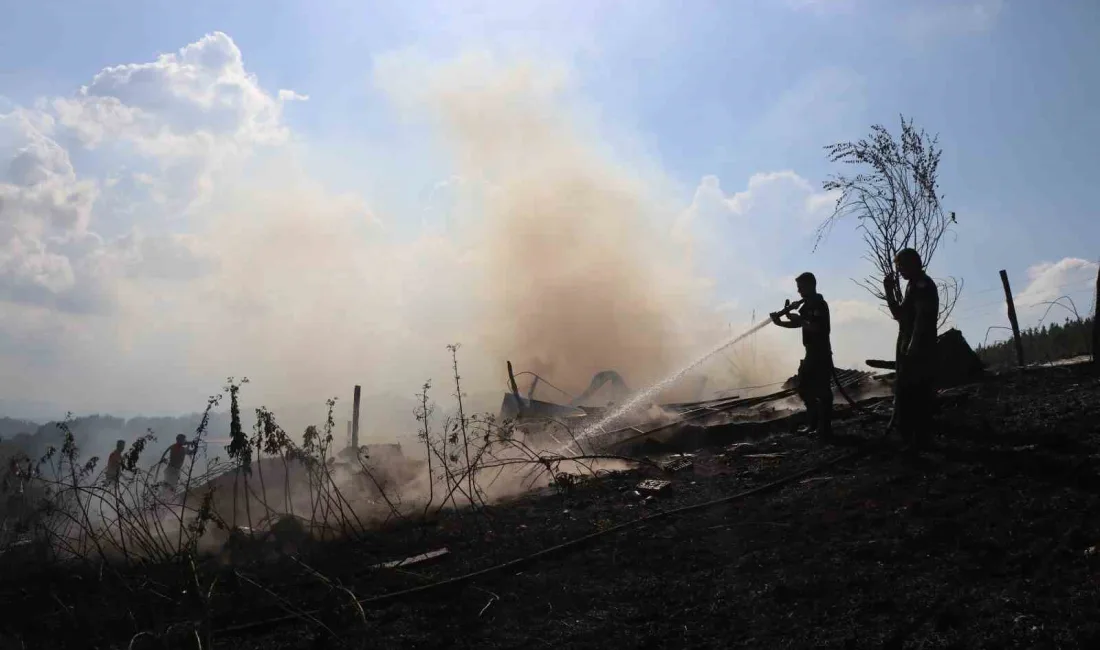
point(917, 315)
point(815, 370)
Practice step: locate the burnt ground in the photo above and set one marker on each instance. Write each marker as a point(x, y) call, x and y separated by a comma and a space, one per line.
point(982, 541)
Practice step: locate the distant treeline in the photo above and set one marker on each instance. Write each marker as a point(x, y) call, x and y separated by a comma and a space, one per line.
point(95, 435)
point(1072, 338)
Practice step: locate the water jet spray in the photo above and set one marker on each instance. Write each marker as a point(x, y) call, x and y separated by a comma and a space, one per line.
point(643, 397)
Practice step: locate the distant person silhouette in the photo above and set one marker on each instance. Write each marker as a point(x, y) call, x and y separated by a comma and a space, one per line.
point(176, 454)
point(815, 369)
point(114, 463)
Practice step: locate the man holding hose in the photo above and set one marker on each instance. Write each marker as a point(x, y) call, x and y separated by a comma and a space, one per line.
point(816, 369)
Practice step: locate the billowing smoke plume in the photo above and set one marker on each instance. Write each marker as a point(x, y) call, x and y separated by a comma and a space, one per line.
point(577, 270)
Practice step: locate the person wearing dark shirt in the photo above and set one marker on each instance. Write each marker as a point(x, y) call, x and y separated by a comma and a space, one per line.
point(815, 370)
point(917, 314)
point(114, 463)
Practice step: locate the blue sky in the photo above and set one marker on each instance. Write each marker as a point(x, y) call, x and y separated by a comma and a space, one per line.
point(675, 92)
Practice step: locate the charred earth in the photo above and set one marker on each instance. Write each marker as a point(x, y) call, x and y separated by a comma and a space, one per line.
point(986, 540)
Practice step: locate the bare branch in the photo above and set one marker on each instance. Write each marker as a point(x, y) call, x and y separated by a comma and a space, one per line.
point(895, 200)
point(1051, 304)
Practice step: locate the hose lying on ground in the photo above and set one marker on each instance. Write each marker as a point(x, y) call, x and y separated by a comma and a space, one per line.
point(845, 395)
point(854, 405)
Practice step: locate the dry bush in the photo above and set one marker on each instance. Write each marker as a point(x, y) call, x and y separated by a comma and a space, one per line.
point(270, 496)
point(271, 488)
point(895, 199)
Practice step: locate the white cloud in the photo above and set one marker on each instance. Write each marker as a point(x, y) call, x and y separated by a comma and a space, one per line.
point(44, 206)
point(203, 88)
point(27, 269)
point(174, 122)
point(195, 112)
point(845, 312)
point(93, 119)
point(39, 189)
point(291, 96)
point(783, 197)
point(1049, 281)
point(774, 209)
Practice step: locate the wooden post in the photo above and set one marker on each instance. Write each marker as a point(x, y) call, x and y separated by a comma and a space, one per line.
point(349, 433)
point(515, 390)
point(1096, 322)
point(512, 381)
point(1012, 319)
point(355, 420)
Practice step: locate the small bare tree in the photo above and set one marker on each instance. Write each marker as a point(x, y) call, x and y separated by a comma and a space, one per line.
point(896, 200)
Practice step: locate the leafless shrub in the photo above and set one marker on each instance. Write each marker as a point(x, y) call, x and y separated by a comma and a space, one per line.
point(895, 199)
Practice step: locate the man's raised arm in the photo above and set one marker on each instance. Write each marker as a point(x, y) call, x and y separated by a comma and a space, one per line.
point(890, 288)
point(794, 321)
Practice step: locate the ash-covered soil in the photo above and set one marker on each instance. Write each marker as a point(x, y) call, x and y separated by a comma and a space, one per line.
point(985, 540)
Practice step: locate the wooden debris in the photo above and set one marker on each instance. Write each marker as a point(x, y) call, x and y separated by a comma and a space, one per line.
point(739, 449)
point(653, 486)
point(678, 465)
point(415, 559)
